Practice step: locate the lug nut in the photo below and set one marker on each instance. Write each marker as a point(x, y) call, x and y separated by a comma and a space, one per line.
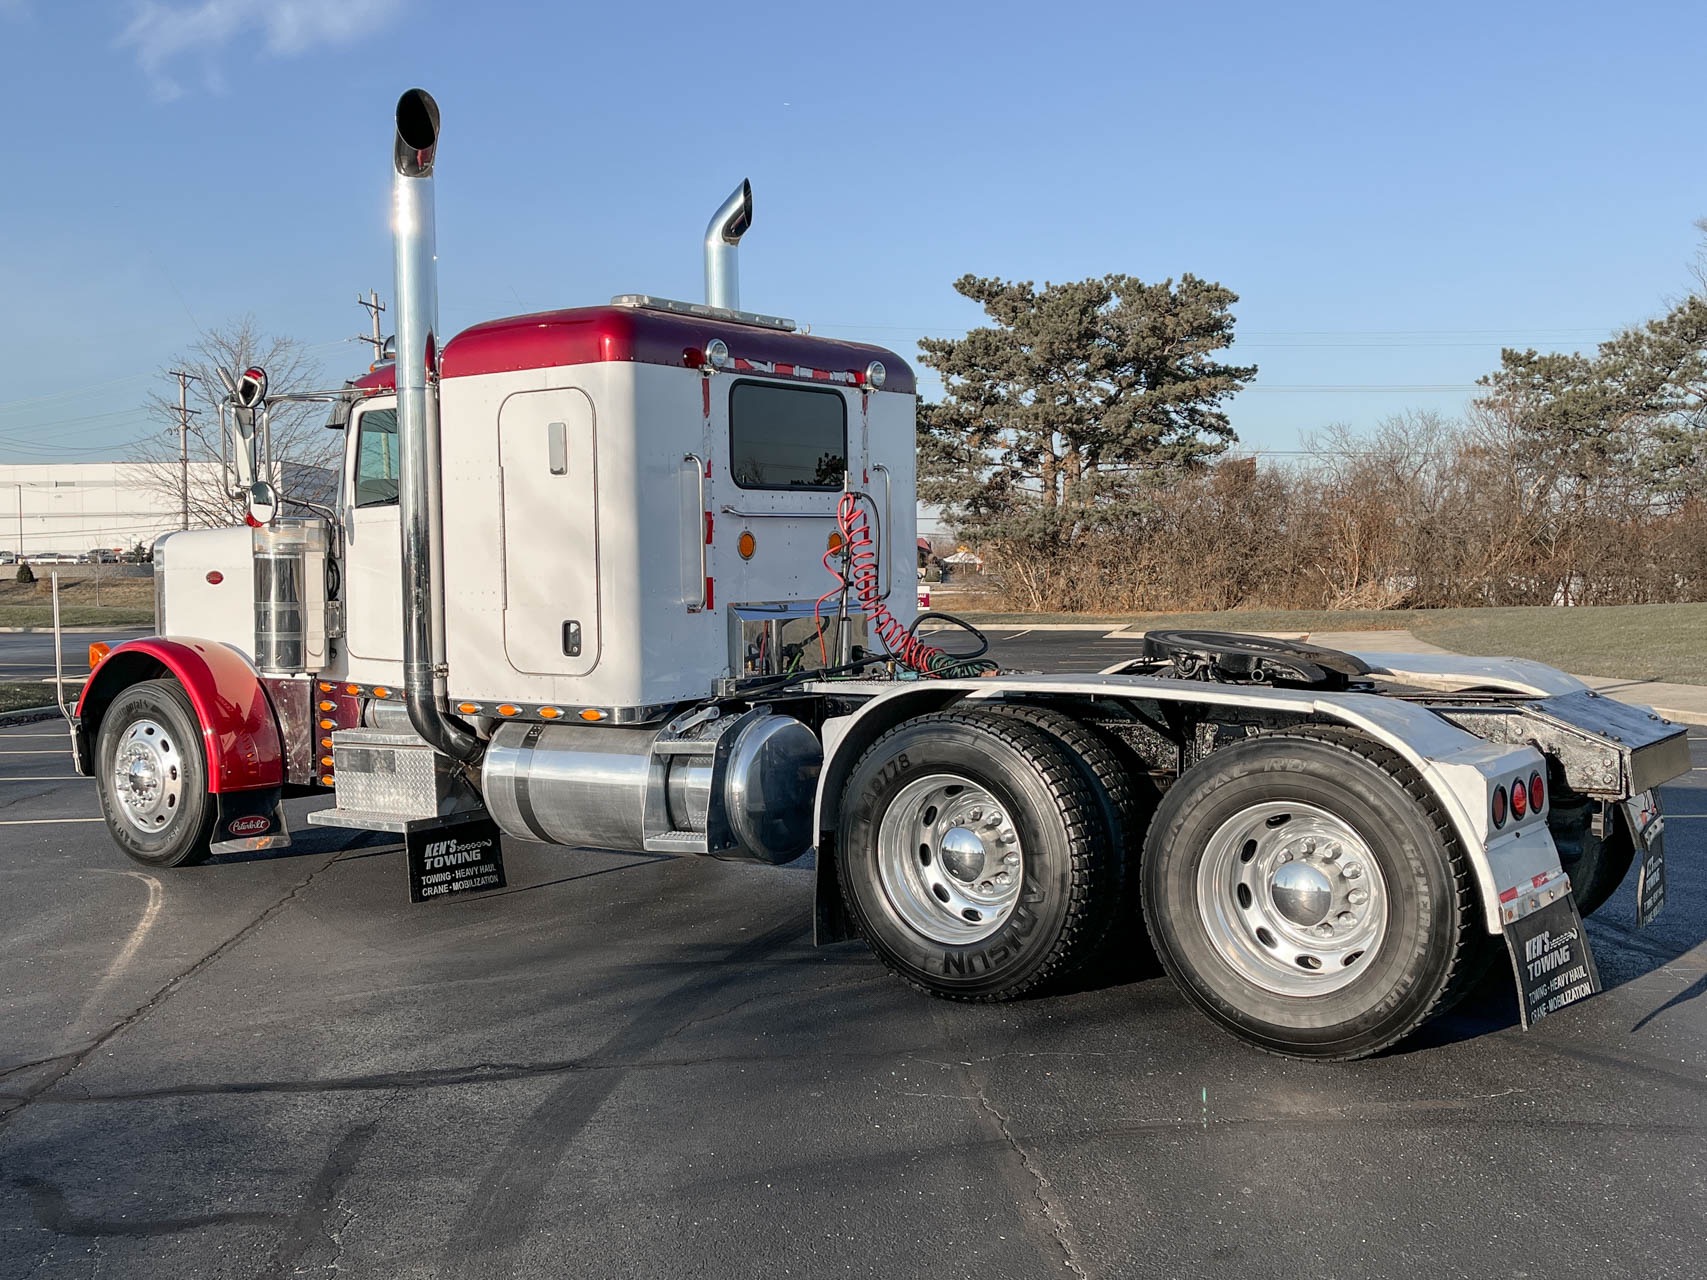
point(985, 886)
point(1346, 917)
point(975, 815)
point(1003, 879)
point(1351, 871)
point(1357, 897)
point(1012, 859)
point(1324, 930)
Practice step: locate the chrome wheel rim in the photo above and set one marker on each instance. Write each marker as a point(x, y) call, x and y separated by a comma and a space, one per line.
point(949, 859)
point(1292, 898)
point(148, 776)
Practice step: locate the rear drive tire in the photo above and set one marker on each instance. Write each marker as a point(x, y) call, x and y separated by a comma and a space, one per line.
point(973, 856)
point(1308, 893)
point(151, 775)
point(1597, 865)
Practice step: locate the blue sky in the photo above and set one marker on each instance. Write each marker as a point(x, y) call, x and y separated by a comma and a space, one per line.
point(1394, 191)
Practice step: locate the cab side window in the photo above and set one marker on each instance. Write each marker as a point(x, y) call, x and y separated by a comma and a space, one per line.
point(376, 458)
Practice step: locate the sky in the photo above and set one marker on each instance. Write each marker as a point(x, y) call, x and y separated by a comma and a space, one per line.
point(1394, 192)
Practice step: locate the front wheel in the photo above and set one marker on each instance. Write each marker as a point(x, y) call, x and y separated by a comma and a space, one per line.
point(1306, 891)
point(152, 776)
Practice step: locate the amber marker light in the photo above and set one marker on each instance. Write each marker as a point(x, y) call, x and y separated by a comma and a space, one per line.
point(746, 544)
point(325, 688)
point(507, 710)
point(328, 724)
point(380, 691)
point(592, 713)
point(98, 654)
point(326, 781)
point(327, 743)
point(352, 688)
point(549, 713)
point(835, 541)
point(468, 708)
point(328, 706)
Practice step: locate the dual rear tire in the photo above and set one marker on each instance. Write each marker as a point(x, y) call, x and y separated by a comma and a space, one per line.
point(1303, 889)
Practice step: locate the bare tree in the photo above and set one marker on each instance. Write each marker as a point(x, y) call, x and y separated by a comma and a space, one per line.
point(297, 430)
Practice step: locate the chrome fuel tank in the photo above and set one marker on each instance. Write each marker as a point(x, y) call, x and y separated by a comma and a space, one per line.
point(738, 787)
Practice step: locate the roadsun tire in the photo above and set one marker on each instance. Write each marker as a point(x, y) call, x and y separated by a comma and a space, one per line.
point(1274, 970)
point(935, 814)
point(160, 812)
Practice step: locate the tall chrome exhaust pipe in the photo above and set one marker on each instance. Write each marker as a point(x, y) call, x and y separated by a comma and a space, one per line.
point(416, 299)
point(728, 225)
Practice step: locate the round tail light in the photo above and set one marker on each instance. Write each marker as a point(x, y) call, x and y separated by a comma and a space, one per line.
point(1537, 793)
point(1519, 798)
point(1499, 807)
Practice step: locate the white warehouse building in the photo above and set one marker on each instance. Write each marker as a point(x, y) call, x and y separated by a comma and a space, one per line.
point(71, 508)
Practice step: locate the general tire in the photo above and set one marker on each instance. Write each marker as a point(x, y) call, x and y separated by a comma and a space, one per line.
point(1027, 784)
point(1127, 800)
point(162, 815)
point(1429, 946)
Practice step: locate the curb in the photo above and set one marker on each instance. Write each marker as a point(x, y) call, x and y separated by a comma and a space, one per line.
point(71, 631)
point(28, 715)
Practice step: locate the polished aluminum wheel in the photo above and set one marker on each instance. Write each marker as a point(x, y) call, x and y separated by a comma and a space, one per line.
point(949, 859)
point(148, 776)
point(1292, 898)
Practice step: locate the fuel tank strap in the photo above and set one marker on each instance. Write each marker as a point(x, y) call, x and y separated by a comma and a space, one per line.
point(524, 800)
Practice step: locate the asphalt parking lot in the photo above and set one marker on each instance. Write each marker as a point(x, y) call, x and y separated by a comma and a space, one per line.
point(630, 1065)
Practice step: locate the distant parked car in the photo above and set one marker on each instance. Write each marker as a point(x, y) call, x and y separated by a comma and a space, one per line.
point(55, 557)
point(8, 557)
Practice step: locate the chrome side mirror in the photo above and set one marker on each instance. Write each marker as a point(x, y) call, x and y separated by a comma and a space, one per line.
point(263, 503)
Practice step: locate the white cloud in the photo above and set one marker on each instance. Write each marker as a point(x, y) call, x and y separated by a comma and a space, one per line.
point(164, 33)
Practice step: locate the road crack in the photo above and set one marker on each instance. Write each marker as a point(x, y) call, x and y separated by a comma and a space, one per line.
point(77, 1058)
point(1053, 1214)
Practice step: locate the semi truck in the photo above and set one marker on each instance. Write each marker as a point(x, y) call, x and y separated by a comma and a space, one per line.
point(641, 576)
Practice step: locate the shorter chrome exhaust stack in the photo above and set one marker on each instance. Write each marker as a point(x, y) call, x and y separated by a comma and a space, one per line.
point(731, 221)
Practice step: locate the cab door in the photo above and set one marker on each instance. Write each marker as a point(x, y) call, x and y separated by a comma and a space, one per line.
point(548, 460)
point(373, 553)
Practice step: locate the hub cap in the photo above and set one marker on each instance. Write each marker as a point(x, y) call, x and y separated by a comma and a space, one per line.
point(949, 859)
point(148, 776)
point(1292, 898)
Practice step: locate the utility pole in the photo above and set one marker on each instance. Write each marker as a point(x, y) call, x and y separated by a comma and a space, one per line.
point(185, 413)
point(373, 306)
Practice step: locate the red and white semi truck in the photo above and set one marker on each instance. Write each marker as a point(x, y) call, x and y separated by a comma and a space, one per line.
point(641, 577)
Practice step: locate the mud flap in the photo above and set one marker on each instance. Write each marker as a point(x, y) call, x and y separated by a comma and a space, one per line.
point(250, 820)
point(452, 858)
point(1551, 958)
point(1649, 827)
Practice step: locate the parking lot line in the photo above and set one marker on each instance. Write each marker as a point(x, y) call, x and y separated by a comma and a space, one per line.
point(43, 822)
point(58, 777)
point(42, 751)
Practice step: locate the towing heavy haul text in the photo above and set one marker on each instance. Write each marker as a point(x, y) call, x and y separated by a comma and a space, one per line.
point(640, 577)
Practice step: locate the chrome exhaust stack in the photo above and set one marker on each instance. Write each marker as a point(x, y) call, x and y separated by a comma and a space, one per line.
point(731, 221)
point(418, 498)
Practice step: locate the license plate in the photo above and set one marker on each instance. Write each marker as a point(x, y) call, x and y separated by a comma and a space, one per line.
point(1648, 828)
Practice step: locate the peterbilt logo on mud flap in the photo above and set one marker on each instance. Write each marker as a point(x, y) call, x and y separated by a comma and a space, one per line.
point(253, 825)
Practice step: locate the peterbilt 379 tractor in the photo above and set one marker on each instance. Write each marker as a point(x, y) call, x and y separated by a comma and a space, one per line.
point(640, 577)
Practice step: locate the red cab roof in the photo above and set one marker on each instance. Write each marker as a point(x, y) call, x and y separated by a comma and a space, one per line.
point(592, 335)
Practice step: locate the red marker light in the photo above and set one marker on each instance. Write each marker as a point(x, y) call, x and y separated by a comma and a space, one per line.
point(1499, 807)
point(1519, 798)
point(1537, 793)
point(214, 577)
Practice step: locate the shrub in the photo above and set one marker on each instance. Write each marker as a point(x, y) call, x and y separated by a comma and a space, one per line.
point(25, 573)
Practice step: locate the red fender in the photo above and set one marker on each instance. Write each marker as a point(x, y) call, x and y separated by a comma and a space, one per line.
point(239, 731)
